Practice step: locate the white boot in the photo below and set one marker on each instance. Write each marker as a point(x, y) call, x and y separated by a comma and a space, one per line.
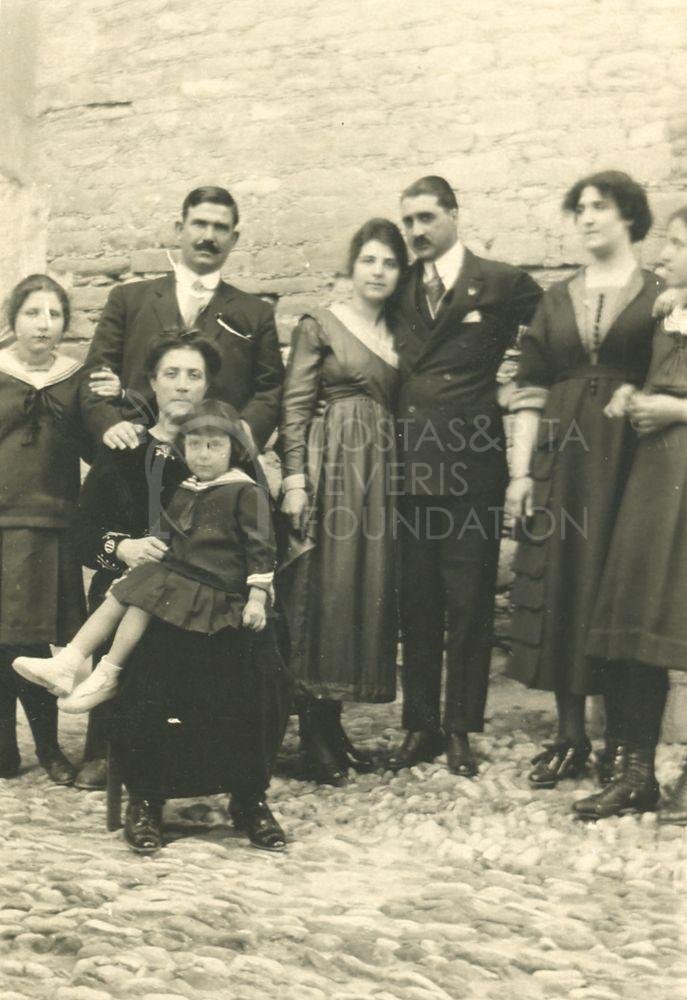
point(100, 686)
point(56, 673)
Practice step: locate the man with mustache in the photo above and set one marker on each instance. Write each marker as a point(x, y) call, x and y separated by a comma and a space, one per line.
point(240, 325)
point(461, 313)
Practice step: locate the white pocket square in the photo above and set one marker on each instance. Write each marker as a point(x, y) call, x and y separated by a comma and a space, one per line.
point(473, 317)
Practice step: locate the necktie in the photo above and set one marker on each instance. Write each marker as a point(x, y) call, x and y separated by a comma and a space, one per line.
point(434, 289)
point(197, 298)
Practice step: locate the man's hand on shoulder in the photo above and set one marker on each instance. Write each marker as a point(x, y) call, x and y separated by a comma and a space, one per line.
point(121, 435)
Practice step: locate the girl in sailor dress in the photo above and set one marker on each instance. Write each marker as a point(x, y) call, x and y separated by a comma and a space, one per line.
point(217, 573)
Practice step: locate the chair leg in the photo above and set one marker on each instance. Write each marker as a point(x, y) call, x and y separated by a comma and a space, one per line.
point(114, 791)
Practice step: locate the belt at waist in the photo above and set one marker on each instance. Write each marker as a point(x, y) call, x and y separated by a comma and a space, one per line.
point(593, 372)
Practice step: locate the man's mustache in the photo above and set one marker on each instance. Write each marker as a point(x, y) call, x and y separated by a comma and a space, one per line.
point(420, 242)
point(207, 245)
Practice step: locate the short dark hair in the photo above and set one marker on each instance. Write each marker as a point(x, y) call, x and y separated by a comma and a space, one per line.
point(214, 416)
point(436, 186)
point(36, 283)
point(629, 196)
point(384, 231)
point(216, 195)
point(190, 340)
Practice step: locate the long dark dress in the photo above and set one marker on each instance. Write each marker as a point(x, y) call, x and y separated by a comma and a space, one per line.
point(640, 612)
point(579, 466)
point(196, 714)
point(337, 586)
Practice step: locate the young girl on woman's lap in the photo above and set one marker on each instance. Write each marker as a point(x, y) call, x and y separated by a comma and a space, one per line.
point(216, 574)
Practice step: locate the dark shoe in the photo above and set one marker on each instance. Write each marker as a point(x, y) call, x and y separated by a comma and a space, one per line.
point(9, 761)
point(143, 825)
point(57, 767)
point(459, 756)
point(349, 756)
point(256, 820)
point(611, 763)
point(419, 746)
point(635, 791)
point(559, 760)
point(92, 775)
point(675, 809)
point(322, 763)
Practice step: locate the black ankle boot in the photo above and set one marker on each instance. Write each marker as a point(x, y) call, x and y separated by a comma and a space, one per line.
point(557, 761)
point(347, 755)
point(322, 763)
point(611, 763)
point(634, 791)
point(143, 825)
point(675, 809)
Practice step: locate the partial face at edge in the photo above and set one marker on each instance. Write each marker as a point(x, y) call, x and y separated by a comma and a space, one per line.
point(674, 255)
point(430, 229)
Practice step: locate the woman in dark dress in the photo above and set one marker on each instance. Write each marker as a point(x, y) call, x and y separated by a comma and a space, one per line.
point(639, 626)
point(591, 334)
point(337, 581)
point(196, 714)
point(42, 436)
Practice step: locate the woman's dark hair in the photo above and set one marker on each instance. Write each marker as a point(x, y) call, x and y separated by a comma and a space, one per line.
point(629, 196)
point(384, 231)
point(191, 341)
point(213, 416)
point(36, 283)
point(215, 195)
point(679, 213)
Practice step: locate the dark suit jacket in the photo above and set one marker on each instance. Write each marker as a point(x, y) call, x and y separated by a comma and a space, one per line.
point(136, 314)
point(451, 439)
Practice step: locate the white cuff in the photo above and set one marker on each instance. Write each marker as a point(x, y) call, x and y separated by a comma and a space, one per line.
point(262, 580)
point(296, 481)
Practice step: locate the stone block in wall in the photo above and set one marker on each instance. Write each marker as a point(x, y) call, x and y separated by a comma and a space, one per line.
point(89, 296)
point(87, 266)
point(145, 261)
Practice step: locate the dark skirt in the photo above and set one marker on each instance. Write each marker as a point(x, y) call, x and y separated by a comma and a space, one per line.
point(640, 612)
point(580, 468)
point(41, 587)
point(200, 714)
point(338, 588)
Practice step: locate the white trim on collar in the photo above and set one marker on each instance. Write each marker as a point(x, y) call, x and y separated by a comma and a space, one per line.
point(62, 368)
point(232, 476)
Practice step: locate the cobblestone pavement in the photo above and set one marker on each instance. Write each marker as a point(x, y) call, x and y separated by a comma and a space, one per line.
point(422, 886)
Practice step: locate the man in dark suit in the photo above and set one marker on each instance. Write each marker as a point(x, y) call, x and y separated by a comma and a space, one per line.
point(241, 326)
point(461, 313)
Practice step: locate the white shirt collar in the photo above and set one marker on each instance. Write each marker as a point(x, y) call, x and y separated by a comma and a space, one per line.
point(448, 265)
point(186, 277)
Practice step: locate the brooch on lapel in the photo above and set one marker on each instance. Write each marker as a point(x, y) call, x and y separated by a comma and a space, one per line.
point(230, 329)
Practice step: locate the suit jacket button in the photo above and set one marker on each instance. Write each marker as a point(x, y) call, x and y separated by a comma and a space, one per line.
point(411, 409)
point(447, 377)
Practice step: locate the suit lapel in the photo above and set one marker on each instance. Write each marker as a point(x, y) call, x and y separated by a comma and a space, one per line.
point(166, 306)
point(463, 297)
point(218, 311)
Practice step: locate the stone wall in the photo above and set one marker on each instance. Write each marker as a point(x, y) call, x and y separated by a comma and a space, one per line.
point(315, 113)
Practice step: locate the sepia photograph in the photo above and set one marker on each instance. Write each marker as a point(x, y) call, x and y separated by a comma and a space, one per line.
point(343, 500)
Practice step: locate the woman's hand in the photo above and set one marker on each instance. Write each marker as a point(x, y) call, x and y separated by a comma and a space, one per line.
point(652, 412)
point(104, 382)
point(619, 401)
point(294, 506)
point(121, 435)
point(138, 551)
point(668, 300)
point(254, 614)
point(519, 498)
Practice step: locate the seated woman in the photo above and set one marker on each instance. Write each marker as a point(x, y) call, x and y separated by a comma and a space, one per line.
point(43, 434)
point(217, 572)
point(196, 713)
